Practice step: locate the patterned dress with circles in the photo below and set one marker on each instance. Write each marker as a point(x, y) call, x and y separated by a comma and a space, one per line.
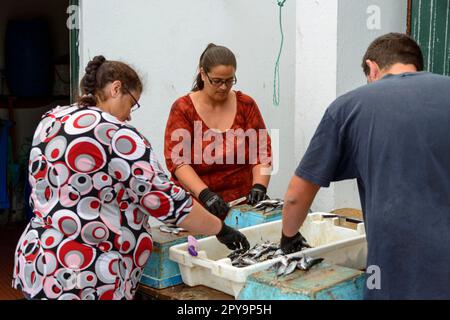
point(94, 181)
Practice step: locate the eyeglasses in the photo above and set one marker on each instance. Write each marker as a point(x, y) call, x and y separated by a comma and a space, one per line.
point(216, 82)
point(136, 103)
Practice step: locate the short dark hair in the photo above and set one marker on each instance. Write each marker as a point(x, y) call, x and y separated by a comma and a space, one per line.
point(211, 57)
point(393, 48)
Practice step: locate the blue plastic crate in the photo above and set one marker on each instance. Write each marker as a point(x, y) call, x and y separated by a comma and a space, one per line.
point(322, 282)
point(161, 272)
point(246, 216)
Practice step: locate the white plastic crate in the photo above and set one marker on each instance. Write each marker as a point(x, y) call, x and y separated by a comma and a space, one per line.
point(212, 268)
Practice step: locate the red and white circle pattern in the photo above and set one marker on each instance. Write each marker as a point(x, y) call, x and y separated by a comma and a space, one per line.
point(128, 145)
point(82, 122)
point(94, 181)
point(85, 155)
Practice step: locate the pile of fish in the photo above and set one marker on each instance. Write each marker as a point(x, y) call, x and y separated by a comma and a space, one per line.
point(171, 229)
point(288, 265)
point(269, 205)
point(261, 252)
point(269, 250)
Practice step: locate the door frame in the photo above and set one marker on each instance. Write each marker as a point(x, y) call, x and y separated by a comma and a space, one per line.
point(74, 56)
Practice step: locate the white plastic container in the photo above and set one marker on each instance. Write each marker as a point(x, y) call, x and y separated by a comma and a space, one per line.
point(212, 268)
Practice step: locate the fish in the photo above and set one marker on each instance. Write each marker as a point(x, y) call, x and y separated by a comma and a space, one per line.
point(261, 253)
point(279, 252)
point(249, 261)
point(165, 229)
point(235, 254)
point(285, 260)
point(307, 263)
point(267, 251)
point(171, 229)
point(270, 203)
point(281, 270)
point(290, 268)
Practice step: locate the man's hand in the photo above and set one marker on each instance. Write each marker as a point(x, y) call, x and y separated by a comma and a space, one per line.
point(293, 244)
point(214, 203)
point(232, 238)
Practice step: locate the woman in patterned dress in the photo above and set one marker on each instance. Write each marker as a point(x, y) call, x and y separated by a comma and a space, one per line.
point(95, 179)
point(236, 167)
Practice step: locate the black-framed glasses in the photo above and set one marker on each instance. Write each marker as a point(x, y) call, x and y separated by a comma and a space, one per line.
point(216, 82)
point(136, 103)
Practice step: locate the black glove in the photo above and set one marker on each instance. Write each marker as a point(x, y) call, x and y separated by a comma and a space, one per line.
point(257, 194)
point(214, 203)
point(293, 244)
point(232, 238)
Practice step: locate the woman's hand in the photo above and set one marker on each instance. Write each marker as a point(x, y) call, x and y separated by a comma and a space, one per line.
point(214, 203)
point(257, 194)
point(232, 238)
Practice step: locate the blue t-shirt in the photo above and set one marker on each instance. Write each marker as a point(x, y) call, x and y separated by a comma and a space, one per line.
point(393, 136)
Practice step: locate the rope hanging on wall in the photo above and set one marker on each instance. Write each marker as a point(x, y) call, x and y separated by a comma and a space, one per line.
point(276, 80)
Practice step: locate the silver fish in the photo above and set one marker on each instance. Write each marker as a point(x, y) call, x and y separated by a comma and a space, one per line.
point(261, 253)
point(281, 270)
point(307, 263)
point(290, 268)
point(165, 229)
point(279, 252)
point(269, 203)
point(249, 261)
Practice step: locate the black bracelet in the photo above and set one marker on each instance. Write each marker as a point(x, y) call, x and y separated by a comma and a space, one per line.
point(205, 192)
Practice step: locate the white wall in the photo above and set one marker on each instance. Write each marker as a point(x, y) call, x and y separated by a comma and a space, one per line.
point(324, 44)
point(359, 23)
point(316, 76)
point(332, 37)
point(164, 39)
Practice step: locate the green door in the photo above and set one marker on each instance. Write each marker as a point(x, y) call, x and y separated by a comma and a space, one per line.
point(74, 57)
point(430, 26)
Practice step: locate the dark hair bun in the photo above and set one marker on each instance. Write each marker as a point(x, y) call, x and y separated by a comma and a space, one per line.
point(90, 79)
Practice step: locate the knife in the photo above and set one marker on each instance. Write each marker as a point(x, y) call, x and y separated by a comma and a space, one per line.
point(237, 201)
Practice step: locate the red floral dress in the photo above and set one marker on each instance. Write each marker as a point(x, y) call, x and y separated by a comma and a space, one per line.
point(223, 162)
point(94, 182)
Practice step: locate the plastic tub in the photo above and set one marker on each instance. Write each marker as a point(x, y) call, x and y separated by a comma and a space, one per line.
point(212, 268)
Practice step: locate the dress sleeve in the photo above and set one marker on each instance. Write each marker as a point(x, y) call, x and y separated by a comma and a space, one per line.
point(134, 164)
point(178, 135)
point(255, 121)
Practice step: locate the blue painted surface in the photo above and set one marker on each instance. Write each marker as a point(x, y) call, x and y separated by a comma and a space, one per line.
point(245, 216)
point(322, 282)
point(161, 272)
point(161, 283)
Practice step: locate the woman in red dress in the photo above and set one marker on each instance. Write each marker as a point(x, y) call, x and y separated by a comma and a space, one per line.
point(216, 142)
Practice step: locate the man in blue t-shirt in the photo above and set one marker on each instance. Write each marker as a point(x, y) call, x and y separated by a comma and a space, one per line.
point(393, 136)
